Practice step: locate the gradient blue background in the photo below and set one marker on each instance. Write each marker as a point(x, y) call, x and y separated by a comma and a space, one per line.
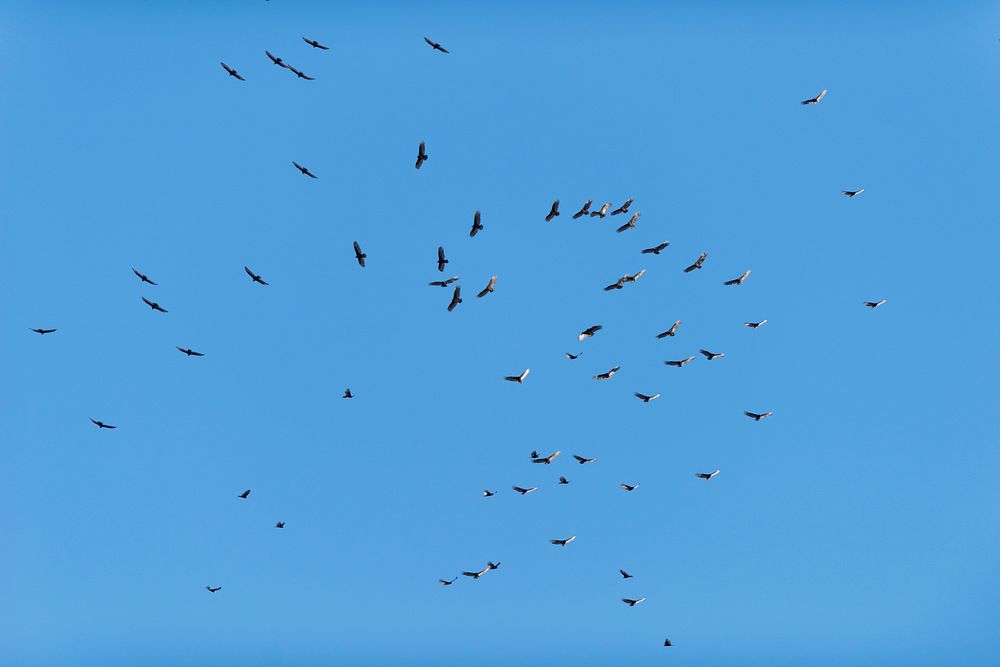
point(858, 526)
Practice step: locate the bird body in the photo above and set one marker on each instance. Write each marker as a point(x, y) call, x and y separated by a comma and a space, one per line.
point(442, 260)
point(563, 543)
point(280, 524)
point(740, 280)
point(553, 212)
point(584, 210)
point(545, 459)
point(189, 352)
point(477, 225)
point(589, 331)
point(347, 393)
point(757, 416)
point(489, 288)
point(815, 100)
point(359, 255)
point(646, 398)
point(657, 249)
point(456, 298)
point(421, 155)
point(671, 331)
point(518, 378)
point(625, 575)
point(607, 375)
point(631, 602)
point(707, 475)
point(874, 304)
point(697, 263)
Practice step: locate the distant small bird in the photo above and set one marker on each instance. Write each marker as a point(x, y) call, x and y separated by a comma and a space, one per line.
point(347, 393)
point(852, 193)
point(631, 223)
point(101, 424)
point(563, 480)
point(667, 642)
point(518, 378)
point(477, 225)
point(634, 277)
point(607, 374)
point(255, 276)
point(232, 72)
point(524, 491)
point(631, 602)
point(533, 454)
point(584, 210)
point(489, 566)
point(553, 212)
point(754, 325)
point(421, 155)
point(589, 331)
point(618, 284)
point(626, 575)
point(304, 170)
point(707, 475)
point(488, 494)
point(581, 460)
point(815, 100)
point(571, 357)
point(443, 283)
point(210, 589)
point(874, 304)
point(680, 363)
point(316, 45)
point(629, 487)
point(563, 543)
point(446, 582)
point(712, 355)
point(672, 331)
point(300, 74)
point(189, 352)
point(44, 331)
point(602, 212)
point(280, 524)
point(360, 256)
point(456, 298)
point(276, 60)
point(144, 278)
point(738, 281)
point(154, 305)
point(646, 399)
point(442, 260)
point(244, 495)
point(657, 249)
point(757, 416)
point(489, 288)
point(697, 263)
point(623, 208)
point(545, 459)
point(436, 46)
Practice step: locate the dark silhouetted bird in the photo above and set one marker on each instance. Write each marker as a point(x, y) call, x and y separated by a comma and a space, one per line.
point(256, 277)
point(754, 325)
point(697, 263)
point(300, 74)
point(489, 566)
point(563, 543)
point(280, 524)
point(672, 331)
point(626, 575)
point(244, 495)
point(441, 259)
point(603, 211)
point(646, 398)
point(618, 284)
point(623, 208)
point(101, 424)
point(276, 60)
point(477, 225)
point(347, 393)
point(456, 298)
point(740, 280)
point(634, 277)
point(631, 602)
point(360, 256)
point(656, 250)
point(154, 305)
point(680, 363)
point(232, 72)
point(757, 416)
point(316, 45)
point(446, 582)
point(524, 491)
point(815, 100)
point(304, 170)
point(707, 475)
point(489, 288)
point(443, 283)
point(629, 487)
point(852, 193)
point(607, 375)
point(212, 589)
point(518, 378)
point(667, 642)
point(563, 480)
point(571, 357)
point(421, 155)
point(189, 352)
point(589, 331)
point(631, 223)
point(44, 331)
point(584, 210)
point(581, 460)
point(436, 46)
point(545, 459)
point(144, 278)
point(712, 355)
point(874, 304)
point(553, 212)
point(487, 493)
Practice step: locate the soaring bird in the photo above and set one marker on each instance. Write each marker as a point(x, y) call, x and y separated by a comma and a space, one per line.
point(697, 263)
point(304, 170)
point(707, 475)
point(244, 495)
point(852, 193)
point(443, 283)
point(360, 256)
point(584, 210)
point(44, 331)
point(276, 60)
point(602, 212)
point(874, 304)
point(300, 74)
point(571, 357)
point(607, 375)
point(456, 298)
point(421, 155)
point(631, 602)
point(623, 208)
point(581, 460)
point(553, 212)
point(631, 223)
point(680, 363)
point(738, 281)
point(618, 284)
point(232, 72)
point(477, 225)
point(446, 582)
point(489, 566)
point(589, 331)
point(626, 575)
point(815, 100)
point(634, 277)
point(316, 45)
point(487, 493)
point(563, 480)
point(563, 543)
point(213, 589)
point(754, 325)
point(524, 491)
point(279, 524)
point(545, 459)
point(255, 276)
point(712, 355)
point(154, 305)
point(757, 416)
point(490, 287)
point(518, 378)
point(189, 352)
point(442, 260)
point(629, 487)
point(667, 643)
point(646, 399)
point(144, 278)
point(436, 46)
point(672, 331)
point(347, 393)
point(101, 424)
point(657, 249)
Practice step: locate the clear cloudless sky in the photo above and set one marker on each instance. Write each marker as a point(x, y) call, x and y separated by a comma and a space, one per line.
point(857, 526)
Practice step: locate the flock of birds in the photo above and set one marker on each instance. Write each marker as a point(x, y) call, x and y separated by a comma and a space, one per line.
point(456, 300)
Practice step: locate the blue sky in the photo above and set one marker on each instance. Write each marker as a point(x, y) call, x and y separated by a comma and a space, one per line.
point(855, 527)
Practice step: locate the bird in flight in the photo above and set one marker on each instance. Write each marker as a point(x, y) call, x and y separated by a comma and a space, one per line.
point(276, 60)
point(631, 602)
point(421, 155)
point(436, 46)
point(584, 210)
point(634, 277)
point(213, 589)
point(757, 416)
point(304, 170)
point(672, 331)
point(347, 393)
point(607, 374)
point(623, 208)
point(618, 284)
point(189, 352)
point(232, 72)
point(852, 193)
point(489, 566)
point(101, 424)
point(629, 487)
point(712, 355)
point(667, 642)
point(631, 223)
point(300, 74)
point(360, 256)
point(740, 280)
point(545, 459)
point(602, 212)
point(697, 263)
point(815, 100)
point(581, 460)
point(256, 277)
point(626, 575)
point(489, 288)
point(456, 298)
point(154, 305)
point(657, 249)
point(144, 278)
point(441, 259)
point(477, 225)
point(524, 491)
point(280, 524)
point(488, 494)
point(563, 480)
point(443, 283)
point(518, 378)
point(571, 356)
point(707, 475)
point(44, 331)
point(589, 331)
point(754, 325)
point(874, 304)
point(646, 399)
point(563, 543)
point(553, 212)
point(244, 495)
point(316, 45)
point(446, 582)
point(680, 363)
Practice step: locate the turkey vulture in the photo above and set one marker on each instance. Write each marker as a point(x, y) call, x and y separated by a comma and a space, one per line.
point(518, 378)
point(436, 46)
point(601, 213)
point(590, 331)
point(44, 331)
point(631, 223)
point(633, 603)
point(815, 100)
point(211, 589)
point(443, 283)
point(441, 259)
point(738, 281)
point(618, 284)
point(456, 298)
point(607, 375)
point(671, 331)
point(489, 288)
point(316, 45)
point(569, 356)
point(232, 72)
point(360, 256)
point(553, 212)
point(656, 250)
point(680, 363)
point(629, 487)
point(300, 74)
point(646, 399)
point(697, 263)
point(634, 277)
point(154, 305)
point(533, 454)
point(563, 480)
point(189, 352)
point(280, 524)
point(707, 475)
point(626, 575)
point(144, 278)
point(754, 325)
point(584, 210)
point(101, 424)
point(304, 170)
point(712, 355)
point(489, 566)
point(244, 494)
point(477, 225)
point(667, 642)
point(276, 60)
point(445, 582)
point(347, 393)
point(852, 193)
point(487, 493)
point(256, 277)
point(546, 459)
point(623, 208)
point(421, 155)
point(874, 304)
point(581, 460)
point(563, 543)
point(523, 491)
point(757, 416)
